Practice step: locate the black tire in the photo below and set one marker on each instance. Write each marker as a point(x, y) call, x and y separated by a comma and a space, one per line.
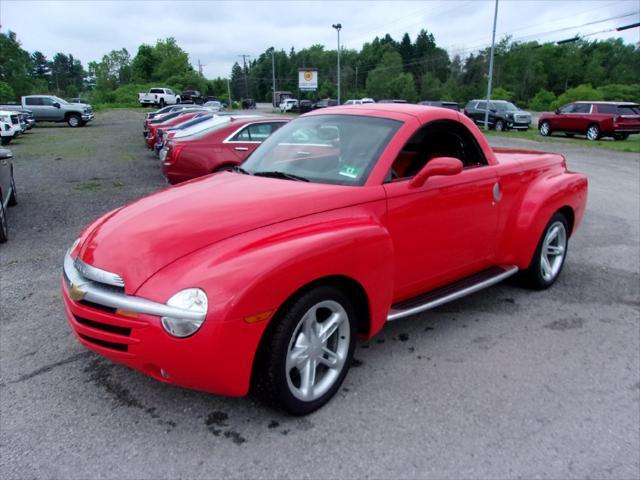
point(13, 199)
point(593, 132)
point(161, 103)
point(74, 120)
point(271, 376)
point(570, 135)
point(499, 126)
point(5, 140)
point(621, 136)
point(533, 277)
point(4, 228)
point(545, 129)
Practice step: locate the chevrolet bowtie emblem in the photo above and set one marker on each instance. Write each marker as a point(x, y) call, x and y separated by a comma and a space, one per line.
point(75, 293)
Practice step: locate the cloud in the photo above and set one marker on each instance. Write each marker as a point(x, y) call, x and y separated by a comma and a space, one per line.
point(217, 32)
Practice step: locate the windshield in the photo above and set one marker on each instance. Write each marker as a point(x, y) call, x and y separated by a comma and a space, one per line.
point(335, 149)
point(506, 107)
point(60, 101)
point(204, 128)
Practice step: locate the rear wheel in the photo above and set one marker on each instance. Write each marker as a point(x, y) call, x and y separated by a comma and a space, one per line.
point(161, 103)
point(13, 199)
point(593, 132)
point(621, 136)
point(550, 254)
point(308, 354)
point(545, 129)
point(4, 229)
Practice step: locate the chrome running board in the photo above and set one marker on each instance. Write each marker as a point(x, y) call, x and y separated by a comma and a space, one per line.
point(451, 292)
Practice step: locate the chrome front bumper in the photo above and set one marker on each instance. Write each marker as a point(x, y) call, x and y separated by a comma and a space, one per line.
point(82, 288)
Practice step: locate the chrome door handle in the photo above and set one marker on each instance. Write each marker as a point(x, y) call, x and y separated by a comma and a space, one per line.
point(497, 194)
point(241, 149)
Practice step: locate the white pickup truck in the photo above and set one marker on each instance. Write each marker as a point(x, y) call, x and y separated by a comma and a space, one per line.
point(159, 97)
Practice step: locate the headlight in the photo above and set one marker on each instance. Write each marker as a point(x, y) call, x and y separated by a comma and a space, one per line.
point(193, 300)
point(74, 245)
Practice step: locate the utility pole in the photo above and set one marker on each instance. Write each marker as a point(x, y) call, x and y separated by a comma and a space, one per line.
point(338, 27)
point(273, 77)
point(200, 67)
point(244, 66)
point(489, 84)
point(356, 78)
point(229, 93)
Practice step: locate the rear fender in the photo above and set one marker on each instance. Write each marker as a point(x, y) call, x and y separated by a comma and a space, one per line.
point(527, 220)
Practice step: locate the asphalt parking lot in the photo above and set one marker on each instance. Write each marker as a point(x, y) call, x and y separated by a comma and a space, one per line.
point(506, 383)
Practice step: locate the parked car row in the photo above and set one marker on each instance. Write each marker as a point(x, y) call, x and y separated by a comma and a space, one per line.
point(192, 141)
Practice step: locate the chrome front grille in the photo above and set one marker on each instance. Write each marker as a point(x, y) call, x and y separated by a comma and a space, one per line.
point(98, 275)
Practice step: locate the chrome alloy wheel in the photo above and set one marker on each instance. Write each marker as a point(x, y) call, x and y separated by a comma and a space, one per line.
point(593, 132)
point(544, 129)
point(554, 248)
point(317, 350)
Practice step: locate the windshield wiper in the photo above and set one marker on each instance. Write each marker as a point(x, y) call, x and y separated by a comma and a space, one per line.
point(278, 174)
point(238, 169)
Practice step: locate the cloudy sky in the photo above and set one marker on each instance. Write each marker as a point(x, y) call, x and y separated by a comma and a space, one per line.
point(217, 32)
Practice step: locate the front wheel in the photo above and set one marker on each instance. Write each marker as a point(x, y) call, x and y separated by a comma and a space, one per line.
point(74, 121)
point(499, 126)
point(309, 351)
point(550, 254)
point(621, 136)
point(5, 140)
point(593, 132)
point(545, 129)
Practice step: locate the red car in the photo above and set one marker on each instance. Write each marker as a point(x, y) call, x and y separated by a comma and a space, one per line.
point(165, 123)
point(218, 148)
point(593, 119)
point(342, 220)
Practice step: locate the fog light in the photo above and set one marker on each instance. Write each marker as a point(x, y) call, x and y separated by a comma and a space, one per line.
point(193, 300)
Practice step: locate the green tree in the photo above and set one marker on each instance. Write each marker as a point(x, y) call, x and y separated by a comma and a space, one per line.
point(171, 60)
point(15, 64)
point(500, 93)
point(581, 92)
point(143, 64)
point(6, 92)
point(542, 101)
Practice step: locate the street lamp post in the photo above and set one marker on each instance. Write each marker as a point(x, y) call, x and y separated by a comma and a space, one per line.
point(490, 82)
point(338, 27)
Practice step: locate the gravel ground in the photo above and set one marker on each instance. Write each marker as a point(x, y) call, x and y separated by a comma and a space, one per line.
point(503, 384)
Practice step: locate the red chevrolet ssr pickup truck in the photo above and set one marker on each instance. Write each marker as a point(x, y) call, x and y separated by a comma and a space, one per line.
point(341, 221)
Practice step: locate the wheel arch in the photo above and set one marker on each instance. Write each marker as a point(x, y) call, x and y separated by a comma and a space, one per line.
point(344, 283)
point(565, 193)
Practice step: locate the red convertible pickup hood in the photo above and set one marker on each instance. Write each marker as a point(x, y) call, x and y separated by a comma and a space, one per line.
point(141, 238)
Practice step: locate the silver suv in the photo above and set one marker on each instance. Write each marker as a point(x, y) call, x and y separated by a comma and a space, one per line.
point(47, 108)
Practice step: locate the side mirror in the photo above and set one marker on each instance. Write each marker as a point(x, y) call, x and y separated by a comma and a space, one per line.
point(56, 104)
point(436, 166)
